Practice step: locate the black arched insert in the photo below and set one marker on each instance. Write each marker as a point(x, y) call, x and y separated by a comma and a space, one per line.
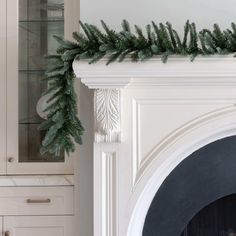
point(202, 178)
point(217, 219)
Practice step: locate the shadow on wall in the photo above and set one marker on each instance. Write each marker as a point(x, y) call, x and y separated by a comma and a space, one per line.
point(84, 190)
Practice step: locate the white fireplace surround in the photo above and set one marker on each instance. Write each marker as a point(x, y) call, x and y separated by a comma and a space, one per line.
point(149, 117)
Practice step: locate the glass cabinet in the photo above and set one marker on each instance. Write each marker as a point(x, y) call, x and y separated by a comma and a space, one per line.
point(39, 20)
point(31, 25)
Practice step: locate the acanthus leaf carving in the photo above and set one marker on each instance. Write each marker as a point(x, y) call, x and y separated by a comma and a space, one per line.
point(107, 115)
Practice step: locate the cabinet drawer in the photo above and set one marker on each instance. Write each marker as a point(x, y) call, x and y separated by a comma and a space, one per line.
point(36, 200)
point(39, 225)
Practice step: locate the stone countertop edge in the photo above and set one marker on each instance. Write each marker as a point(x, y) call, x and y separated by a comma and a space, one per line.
point(36, 180)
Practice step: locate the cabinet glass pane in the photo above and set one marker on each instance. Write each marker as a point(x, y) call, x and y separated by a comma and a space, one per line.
point(39, 20)
point(41, 10)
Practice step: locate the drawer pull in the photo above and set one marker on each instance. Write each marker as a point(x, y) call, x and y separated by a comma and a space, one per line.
point(47, 200)
point(10, 159)
point(7, 233)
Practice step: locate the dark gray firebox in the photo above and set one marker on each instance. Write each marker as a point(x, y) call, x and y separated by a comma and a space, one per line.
point(202, 178)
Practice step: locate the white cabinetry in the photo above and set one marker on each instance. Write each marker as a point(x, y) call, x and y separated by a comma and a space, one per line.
point(27, 29)
point(37, 226)
point(37, 211)
point(3, 31)
point(31, 205)
point(36, 201)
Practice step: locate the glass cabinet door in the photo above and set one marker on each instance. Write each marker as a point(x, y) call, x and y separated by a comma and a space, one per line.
point(37, 21)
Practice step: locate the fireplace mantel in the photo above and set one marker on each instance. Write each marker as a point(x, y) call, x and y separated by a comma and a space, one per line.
point(149, 117)
point(177, 71)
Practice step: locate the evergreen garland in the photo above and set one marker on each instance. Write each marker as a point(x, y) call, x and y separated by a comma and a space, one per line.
point(62, 125)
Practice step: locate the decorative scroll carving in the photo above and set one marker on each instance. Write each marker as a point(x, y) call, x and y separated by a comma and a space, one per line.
point(107, 115)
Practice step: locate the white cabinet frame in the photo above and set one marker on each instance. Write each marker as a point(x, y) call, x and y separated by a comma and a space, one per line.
point(12, 132)
point(38, 225)
point(3, 76)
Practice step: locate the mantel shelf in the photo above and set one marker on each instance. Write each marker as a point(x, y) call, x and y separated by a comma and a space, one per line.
point(214, 70)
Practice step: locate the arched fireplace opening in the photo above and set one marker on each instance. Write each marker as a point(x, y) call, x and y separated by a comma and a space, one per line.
point(217, 219)
point(207, 175)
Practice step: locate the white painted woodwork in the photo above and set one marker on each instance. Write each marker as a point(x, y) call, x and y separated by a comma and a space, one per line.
point(1, 226)
point(22, 217)
point(12, 136)
point(218, 70)
point(22, 168)
point(71, 16)
point(3, 73)
point(12, 79)
point(38, 225)
point(107, 111)
point(167, 112)
point(109, 191)
point(13, 200)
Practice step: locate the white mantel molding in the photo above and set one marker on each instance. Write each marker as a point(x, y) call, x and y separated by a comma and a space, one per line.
point(178, 71)
point(170, 111)
point(214, 70)
point(107, 115)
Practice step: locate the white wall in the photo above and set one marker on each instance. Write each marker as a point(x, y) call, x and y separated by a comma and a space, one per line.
point(203, 12)
point(84, 166)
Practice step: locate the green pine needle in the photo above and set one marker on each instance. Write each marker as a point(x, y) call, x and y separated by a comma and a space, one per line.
point(63, 128)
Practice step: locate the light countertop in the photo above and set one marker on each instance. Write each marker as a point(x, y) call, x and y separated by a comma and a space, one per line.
point(37, 180)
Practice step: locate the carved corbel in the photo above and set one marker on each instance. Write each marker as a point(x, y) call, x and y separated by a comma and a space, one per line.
point(107, 115)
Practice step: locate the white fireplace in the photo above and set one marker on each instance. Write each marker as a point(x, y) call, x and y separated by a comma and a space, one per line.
point(148, 117)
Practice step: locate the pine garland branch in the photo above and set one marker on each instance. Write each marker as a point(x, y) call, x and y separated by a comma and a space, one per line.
point(63, 128)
